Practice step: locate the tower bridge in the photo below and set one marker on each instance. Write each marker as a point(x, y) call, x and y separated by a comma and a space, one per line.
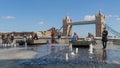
point(82, 23)
point(99, 23)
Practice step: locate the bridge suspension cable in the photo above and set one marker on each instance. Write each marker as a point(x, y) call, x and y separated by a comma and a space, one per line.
point(60, 28)
point(112, 30)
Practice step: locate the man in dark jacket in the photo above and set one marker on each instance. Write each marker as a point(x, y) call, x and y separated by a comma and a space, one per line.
point(12, 38)
point(104, 37)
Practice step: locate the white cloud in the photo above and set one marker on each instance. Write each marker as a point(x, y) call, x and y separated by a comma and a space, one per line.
point(89, 17)
point(109, 16)
point(41, 23)
point(8, 17)
point(112, 16)
point(118, 18)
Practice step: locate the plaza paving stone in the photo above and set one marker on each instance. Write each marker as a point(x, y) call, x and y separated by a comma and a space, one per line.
point(54, 56)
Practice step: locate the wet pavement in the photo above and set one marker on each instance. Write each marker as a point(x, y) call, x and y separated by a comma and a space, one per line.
point(60, 56)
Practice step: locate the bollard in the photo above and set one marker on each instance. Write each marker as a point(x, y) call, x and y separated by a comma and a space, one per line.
point(91, 49)
point(66, 57)
point(14, 45)
point(70, 46)
point(5, 45)
point(25, 44)
point(76, 50)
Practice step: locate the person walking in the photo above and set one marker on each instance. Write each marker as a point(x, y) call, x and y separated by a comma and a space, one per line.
point(12, 39)
point(3, 39)
point(74, 38)
point(53, 37)
point(104, 38)
point(8, 40)
point(24, 40)
point(59, 37)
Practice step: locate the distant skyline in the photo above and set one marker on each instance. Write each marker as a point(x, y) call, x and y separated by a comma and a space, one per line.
point(39, 15)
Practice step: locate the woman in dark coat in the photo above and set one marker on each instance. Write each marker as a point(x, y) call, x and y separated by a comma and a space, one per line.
point(104, 37)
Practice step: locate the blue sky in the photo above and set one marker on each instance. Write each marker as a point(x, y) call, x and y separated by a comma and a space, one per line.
point(38, 15)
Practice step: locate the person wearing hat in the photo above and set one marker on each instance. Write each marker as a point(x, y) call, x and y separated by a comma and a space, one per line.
point(104, 38)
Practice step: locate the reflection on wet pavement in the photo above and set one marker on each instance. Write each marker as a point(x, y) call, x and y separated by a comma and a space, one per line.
point(62, 56)
point(84, 57)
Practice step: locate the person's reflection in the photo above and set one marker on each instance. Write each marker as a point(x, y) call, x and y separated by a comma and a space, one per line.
point(104, 55)
point(53, 50)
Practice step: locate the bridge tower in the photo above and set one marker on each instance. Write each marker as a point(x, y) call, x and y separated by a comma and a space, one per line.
point(67, 29)
point(100, 21)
